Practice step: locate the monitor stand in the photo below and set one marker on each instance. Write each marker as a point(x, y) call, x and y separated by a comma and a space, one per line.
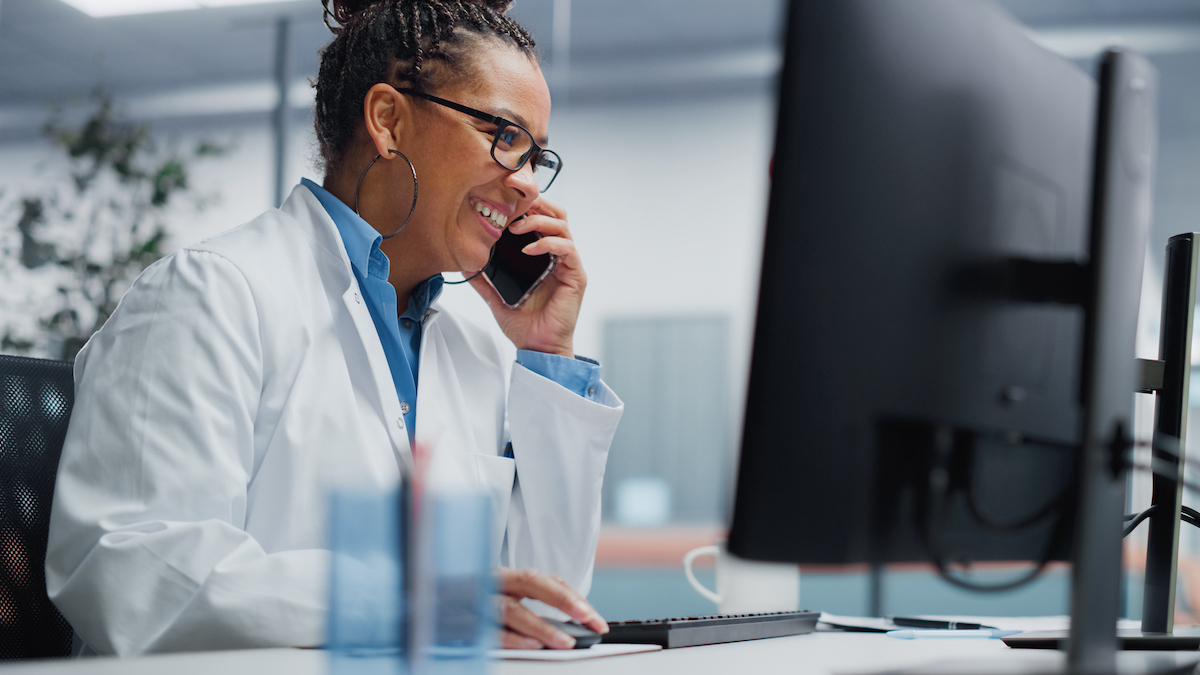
point(1175, 342)
point(1181, 639)
point(1120, 219)
point(1168, 379)
point(1053, 662)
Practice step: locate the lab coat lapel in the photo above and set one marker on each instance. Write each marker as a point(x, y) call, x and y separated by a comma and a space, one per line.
point(326, 233)
point(441, 423)
point(381, 374)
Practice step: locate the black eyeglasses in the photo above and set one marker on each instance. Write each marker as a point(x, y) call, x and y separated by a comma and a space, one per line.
point(512, 144)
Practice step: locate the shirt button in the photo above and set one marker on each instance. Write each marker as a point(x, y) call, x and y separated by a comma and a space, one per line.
point(591, 391)
point(404, 407)
point(406, 322)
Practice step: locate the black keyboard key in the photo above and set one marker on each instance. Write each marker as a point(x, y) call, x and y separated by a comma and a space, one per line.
point(708, 630)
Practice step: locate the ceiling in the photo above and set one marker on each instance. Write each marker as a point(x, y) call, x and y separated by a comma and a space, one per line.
point(222, 60)
point(212, 64)
point(48, 49)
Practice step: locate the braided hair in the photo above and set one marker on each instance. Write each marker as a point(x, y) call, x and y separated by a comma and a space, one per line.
point(415, 43)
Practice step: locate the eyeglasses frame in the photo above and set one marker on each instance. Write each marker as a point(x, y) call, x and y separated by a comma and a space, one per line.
point(500, 123)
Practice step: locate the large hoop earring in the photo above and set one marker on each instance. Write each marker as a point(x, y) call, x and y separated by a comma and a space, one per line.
point(412, 208)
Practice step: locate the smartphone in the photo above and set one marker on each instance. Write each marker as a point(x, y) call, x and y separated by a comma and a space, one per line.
point(514, 275)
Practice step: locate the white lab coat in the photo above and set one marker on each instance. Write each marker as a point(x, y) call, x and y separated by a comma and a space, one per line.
point(241, 379)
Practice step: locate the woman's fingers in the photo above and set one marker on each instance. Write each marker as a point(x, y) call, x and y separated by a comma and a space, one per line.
point(555, 592)
point(544, 217)
point(519, 619)
point(548, 227)
point(563, 248)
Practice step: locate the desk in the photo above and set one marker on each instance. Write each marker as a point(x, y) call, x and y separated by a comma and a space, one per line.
point(815, 654)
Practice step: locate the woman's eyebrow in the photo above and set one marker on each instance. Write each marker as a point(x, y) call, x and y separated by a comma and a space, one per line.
point(516, 117)
point(512, 115)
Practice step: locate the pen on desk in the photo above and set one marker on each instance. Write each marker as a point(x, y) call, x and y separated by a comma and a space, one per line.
point(947, 633)
point(911, 622)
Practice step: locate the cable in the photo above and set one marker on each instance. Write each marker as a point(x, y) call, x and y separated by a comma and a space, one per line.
point(1192, 518)
point(945, 574)
point(939, 495)
point(1186, 515)
point(1165, 469)
point(1161, 467)
point(1158, 466)
point(463, 281)
point(491, 253)
point(1135, 519)
point(1053, 506)
point(1009, 438)
point(1163, 443)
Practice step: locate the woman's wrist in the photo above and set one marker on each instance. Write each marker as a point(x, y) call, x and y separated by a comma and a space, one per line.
point(559, 349)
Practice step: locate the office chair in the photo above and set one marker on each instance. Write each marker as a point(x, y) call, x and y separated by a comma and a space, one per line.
point(36, 396)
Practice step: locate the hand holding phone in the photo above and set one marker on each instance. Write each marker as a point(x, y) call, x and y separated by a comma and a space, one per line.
point(513, 274)
point(535, 299)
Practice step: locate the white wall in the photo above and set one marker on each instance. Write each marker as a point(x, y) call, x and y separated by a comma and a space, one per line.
point(666, 200)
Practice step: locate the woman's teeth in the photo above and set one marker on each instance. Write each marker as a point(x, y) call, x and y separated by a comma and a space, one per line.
point(498, 219)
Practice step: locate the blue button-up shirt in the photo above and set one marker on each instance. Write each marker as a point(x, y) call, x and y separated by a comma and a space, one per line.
point(401, 335)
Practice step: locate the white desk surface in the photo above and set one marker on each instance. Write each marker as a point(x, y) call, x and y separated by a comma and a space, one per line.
point(816, 654)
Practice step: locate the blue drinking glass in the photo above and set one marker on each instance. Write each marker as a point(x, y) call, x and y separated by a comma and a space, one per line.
point(366, 589)
point(464, 623)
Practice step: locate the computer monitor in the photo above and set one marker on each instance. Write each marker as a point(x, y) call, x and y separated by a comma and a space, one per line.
point(943, 364)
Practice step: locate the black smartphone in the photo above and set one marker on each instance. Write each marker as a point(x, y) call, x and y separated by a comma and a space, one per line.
point(513, 274)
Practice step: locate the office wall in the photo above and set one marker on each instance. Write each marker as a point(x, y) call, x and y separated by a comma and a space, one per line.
point(666, 200)
point(672, 458)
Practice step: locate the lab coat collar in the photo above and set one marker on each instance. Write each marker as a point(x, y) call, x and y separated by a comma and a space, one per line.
point(308, 213)
point(360, 238)
point(362, 241)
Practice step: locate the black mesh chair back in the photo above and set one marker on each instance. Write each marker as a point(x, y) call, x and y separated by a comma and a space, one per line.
point(35, 404)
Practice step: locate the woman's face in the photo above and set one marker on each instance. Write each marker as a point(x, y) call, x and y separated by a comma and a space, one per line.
point(452, 155)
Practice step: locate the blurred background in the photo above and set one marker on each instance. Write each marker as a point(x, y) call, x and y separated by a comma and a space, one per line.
point(131, 128)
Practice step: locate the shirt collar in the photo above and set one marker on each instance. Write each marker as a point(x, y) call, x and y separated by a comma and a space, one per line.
point(360, 240)
point(423, 295)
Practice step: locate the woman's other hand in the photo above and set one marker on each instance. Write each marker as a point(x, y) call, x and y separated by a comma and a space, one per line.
point(546, 322)
point(523, 629)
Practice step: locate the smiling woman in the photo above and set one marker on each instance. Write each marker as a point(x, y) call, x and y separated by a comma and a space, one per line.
point(244, 377)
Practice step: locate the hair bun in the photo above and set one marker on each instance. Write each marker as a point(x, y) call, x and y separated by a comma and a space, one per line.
point(498, 6)
point(341, 10)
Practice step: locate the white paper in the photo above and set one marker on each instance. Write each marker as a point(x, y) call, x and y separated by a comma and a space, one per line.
point(1021, 623)
point(866, 623)
point(594, 652)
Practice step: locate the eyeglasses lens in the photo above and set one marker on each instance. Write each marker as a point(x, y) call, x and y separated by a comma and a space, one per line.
point(545, 168)
point(513, 146)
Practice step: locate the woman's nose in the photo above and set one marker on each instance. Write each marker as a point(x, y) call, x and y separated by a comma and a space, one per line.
point(522, 180)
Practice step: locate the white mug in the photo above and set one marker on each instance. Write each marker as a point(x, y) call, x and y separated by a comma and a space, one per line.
point(747, 586)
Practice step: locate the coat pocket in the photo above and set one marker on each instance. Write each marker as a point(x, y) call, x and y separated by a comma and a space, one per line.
point(497, 475)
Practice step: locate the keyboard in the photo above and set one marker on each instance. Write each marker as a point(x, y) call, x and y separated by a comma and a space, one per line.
point(709, 630)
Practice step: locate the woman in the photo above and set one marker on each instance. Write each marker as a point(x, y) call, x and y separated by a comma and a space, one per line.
point(242, 378)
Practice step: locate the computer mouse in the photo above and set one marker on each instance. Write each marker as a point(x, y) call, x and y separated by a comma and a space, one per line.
point(584, 637)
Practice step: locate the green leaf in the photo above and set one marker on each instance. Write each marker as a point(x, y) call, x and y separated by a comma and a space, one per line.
point(169, 179)
point(116, 180)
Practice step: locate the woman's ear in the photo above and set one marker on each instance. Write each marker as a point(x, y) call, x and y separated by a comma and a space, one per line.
point(386, 114)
